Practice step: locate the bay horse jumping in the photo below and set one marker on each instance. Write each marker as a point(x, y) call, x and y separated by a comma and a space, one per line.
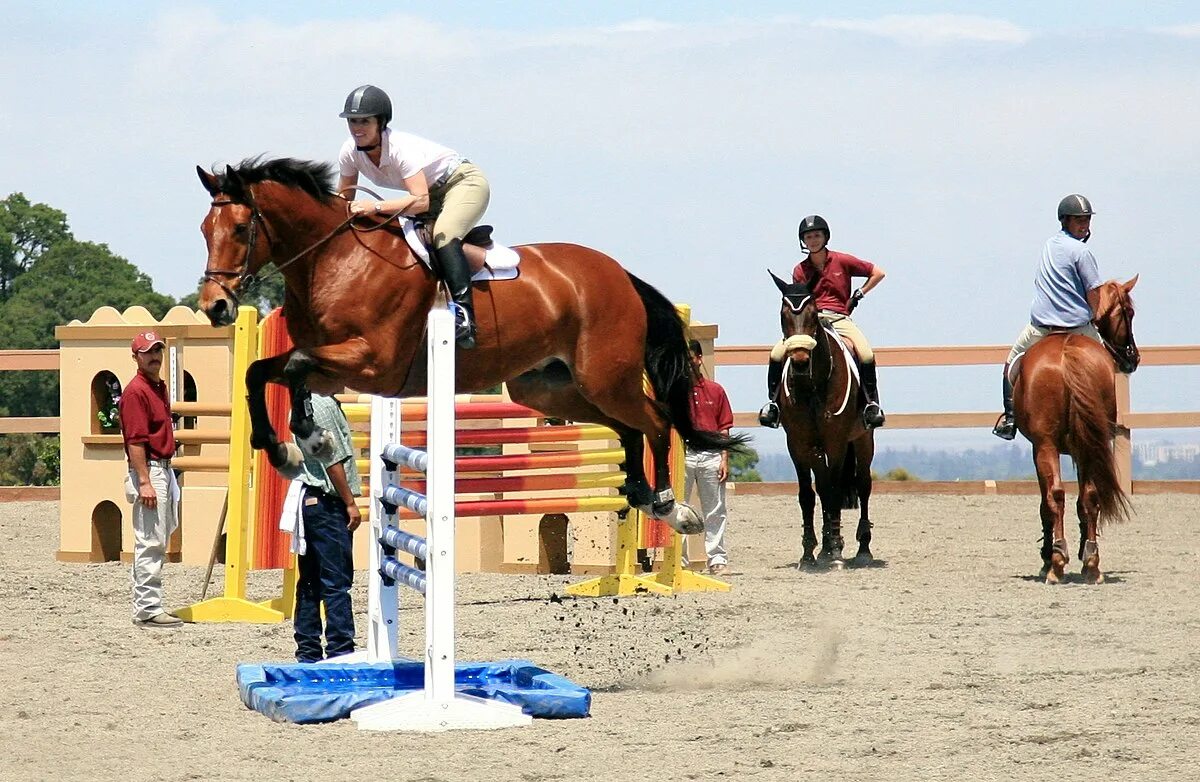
point(1066, 403)
point(572, 334)
point(820, 408)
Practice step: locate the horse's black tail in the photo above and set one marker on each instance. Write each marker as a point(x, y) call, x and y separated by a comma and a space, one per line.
point(849, 478)
point(669, 366)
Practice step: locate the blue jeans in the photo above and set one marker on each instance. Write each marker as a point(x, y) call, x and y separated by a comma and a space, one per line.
point(326, 572)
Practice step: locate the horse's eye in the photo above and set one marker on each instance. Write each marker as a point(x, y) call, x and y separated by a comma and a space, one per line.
point(241, 228)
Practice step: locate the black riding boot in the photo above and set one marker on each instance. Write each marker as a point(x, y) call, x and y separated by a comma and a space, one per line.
point(872, 413)
point(457, 274)
point(1006, 427)
point(769, 415)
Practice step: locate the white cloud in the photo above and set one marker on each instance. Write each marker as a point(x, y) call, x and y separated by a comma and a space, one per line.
point(933, 29)
point(1179, 30)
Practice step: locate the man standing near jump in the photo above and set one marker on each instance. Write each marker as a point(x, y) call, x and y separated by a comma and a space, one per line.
point(328, 512)
point(146, 428)
point(708, 470)
point(1065, 294)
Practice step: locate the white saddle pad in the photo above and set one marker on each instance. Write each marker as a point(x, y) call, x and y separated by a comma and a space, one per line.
point(500, 262)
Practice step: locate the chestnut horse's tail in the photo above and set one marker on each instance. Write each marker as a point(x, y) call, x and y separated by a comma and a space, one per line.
point(1091, 428)
point(669, 367)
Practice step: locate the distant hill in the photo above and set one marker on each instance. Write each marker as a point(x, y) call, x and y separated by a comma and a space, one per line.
point(1003, 462)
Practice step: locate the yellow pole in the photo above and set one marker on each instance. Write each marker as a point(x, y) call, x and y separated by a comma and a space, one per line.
point(233, 605)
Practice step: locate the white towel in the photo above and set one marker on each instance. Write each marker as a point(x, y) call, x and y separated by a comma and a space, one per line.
point(291, 518)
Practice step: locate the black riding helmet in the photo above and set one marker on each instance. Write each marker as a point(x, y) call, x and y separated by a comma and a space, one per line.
point(813, 223)
point(369, 101)
point(1074, 205)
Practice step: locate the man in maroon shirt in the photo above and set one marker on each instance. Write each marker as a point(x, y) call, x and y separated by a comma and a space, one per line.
point(827, 275)
point(146, 427)
point(709, 471)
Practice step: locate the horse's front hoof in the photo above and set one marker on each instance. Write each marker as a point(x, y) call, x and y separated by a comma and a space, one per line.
point(319, 444)
point(862, 559)
point(287, 460)
point(1055, 570)
point(1092, 574)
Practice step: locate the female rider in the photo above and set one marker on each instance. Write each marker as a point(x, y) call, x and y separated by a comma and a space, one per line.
point(827, 275)
point(437, 179)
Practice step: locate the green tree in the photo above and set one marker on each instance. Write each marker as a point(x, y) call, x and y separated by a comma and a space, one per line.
point(70, 280)
point(743, 466)
point(26, 231)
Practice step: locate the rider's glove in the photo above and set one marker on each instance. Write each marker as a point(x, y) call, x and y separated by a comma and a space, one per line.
point(855, 298)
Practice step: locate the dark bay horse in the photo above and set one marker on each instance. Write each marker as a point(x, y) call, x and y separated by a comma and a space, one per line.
point(1066, 403)
point(572, 334)
point(820, 409)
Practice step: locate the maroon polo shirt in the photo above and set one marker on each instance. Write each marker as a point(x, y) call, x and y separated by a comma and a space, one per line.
point(831, 285)
point(145, 409)
point(710, 407)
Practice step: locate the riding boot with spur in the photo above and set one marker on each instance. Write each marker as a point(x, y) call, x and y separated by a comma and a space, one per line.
point(457, 274)
point(769, 415)
point(872, 413)
point(1006, 427)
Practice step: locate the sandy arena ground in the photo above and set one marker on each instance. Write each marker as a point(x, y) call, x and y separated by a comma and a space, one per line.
point(949, 661)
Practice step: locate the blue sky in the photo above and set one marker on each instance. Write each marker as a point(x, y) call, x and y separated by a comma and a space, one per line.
point(684, 139)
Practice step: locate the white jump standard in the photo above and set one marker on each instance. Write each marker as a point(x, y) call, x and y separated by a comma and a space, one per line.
point(438, 706)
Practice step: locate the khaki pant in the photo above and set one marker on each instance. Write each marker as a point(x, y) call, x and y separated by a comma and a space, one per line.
point(1032, 334)
point(458, 204)
point(846, 328)
point(701, 470)
point(152, 529)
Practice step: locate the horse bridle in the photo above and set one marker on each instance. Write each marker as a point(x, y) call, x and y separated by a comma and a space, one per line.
point(244, 279)
point(1126, 357)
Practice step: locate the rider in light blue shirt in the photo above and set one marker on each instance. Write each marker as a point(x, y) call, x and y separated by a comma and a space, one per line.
point(1067, 272)
point(1065, 294)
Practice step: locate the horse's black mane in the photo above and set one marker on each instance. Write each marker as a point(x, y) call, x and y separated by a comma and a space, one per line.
point(312, 177)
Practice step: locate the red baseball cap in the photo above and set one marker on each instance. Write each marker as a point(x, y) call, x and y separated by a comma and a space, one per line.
point(146, 340)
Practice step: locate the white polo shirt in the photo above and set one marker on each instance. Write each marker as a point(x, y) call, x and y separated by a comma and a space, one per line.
point(401, 155)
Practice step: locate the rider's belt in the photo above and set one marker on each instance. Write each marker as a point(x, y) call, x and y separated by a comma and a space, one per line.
point(449, 172)
point(163, 463)
point(831, 315)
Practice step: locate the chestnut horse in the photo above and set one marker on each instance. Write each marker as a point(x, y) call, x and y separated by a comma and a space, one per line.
point(1066, 403)
point(821, 409)
point(572, 334)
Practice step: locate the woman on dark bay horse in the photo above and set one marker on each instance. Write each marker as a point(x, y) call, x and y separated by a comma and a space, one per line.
point(821, 412)
point(438, 181)
point(1066, 403)
point(572, 334)
point(828, 275)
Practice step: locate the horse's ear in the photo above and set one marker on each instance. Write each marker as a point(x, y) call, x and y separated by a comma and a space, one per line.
point(780, 284)
point(1128, 286)
point(209, 181)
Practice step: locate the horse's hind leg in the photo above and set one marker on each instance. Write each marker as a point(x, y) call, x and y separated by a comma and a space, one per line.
point(864, 452)
point(552, 390)
point(1054, 542)
point(1088, 508)
point(618, 394)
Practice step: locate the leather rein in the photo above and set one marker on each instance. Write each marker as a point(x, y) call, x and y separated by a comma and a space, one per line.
point(243, 279)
